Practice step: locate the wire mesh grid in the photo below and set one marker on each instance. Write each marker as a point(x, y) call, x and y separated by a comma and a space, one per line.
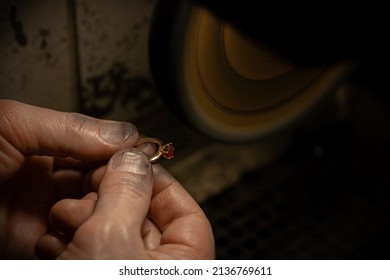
point(327, 197)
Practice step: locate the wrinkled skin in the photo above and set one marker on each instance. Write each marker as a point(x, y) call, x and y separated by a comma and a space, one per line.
point(73, 187)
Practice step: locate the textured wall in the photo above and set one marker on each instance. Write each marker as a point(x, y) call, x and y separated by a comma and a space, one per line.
point(87, 55)
point(36, 65)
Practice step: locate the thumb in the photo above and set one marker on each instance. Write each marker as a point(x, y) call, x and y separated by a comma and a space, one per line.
point(126, 190)
point(29, 130)
point(113, 231)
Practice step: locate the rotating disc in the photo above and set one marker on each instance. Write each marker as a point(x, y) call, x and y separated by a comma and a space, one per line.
point(223, 83)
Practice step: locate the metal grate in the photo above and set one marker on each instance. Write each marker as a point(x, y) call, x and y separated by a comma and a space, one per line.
point(327, 197)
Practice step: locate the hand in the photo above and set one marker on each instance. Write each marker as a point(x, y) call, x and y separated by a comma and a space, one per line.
point(45, 155)
point(138, 212)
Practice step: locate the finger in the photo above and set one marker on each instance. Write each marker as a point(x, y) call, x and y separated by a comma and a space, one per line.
point(185, 229)
point(148, 149)
point(151, 235)
point(50, 246)
point(68, 214)
point(29, 130)
point(97, 177)
point(39, 131)
point(125, 192)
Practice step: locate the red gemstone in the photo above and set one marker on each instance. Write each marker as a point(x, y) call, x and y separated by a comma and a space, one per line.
point(168, 151)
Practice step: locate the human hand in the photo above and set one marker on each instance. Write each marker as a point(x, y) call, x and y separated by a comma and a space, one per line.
point(46, 155)
point(138, 211)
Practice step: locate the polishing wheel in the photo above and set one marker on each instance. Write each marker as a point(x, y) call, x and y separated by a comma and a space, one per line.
point(225, 84)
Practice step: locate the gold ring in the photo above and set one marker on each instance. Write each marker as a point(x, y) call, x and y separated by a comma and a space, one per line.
point(164, 150)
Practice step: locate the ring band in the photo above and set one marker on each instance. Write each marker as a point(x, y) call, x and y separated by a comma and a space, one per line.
point(164, 150)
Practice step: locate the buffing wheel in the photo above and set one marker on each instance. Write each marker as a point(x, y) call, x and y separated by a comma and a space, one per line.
point(225, 84)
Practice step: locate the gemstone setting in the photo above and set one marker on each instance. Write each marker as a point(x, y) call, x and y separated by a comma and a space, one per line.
point(168, 151)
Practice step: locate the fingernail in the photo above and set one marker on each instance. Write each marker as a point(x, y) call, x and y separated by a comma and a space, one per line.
point(130, 161)
point(117, 132)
